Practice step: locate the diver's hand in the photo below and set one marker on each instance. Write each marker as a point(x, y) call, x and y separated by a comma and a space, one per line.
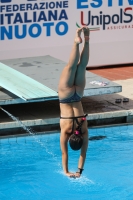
point(77, 175)
point(70, 174)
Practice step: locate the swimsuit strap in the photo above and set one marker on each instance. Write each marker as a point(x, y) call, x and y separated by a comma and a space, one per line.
point(79, 124)
point(73, 117)
point(76, 119)
point(73, 126)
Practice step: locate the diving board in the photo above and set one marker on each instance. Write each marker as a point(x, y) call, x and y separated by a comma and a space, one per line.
point(23, 86)
point(46, 70)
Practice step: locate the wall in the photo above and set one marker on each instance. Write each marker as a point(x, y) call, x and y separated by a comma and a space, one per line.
point(35, 28)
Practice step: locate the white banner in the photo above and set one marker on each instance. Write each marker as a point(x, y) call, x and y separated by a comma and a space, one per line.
point(35, 28)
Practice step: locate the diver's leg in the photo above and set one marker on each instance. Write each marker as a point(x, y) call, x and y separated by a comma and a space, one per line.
point(81, 69)
point(68, 74)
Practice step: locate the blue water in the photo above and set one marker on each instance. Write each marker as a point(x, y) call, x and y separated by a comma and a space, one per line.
point(30, 168)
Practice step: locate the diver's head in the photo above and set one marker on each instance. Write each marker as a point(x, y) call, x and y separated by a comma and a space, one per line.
point(76, 140)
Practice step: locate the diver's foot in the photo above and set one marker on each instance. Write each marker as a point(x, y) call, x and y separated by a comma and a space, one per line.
point(86, 32)
point(78, 38)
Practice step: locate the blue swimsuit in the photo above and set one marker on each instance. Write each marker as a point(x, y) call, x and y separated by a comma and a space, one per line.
point(74, 98)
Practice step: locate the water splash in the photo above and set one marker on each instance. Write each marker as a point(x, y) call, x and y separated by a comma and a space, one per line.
point(83, 180)
point(32, 133)
point(28, 130)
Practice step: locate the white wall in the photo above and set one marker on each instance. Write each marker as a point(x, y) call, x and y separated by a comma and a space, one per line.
point(113, 45)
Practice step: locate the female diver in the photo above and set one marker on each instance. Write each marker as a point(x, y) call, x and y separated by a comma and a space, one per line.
point(73, 122)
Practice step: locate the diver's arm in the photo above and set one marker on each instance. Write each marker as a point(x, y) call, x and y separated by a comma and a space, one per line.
point(64, 149)
point(82, 155)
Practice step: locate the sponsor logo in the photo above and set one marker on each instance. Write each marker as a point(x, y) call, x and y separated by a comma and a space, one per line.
point(102, 20)
point(33, 18)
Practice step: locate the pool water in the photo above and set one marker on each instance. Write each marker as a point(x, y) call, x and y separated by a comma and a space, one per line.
point(30, 168)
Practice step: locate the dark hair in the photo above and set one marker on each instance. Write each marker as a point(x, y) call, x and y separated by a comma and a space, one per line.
point(76, 141)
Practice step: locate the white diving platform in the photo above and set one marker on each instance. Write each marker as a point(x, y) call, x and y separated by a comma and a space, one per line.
point(36, 79)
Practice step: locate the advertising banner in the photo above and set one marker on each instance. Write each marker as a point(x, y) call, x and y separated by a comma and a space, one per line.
point(41, 27)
